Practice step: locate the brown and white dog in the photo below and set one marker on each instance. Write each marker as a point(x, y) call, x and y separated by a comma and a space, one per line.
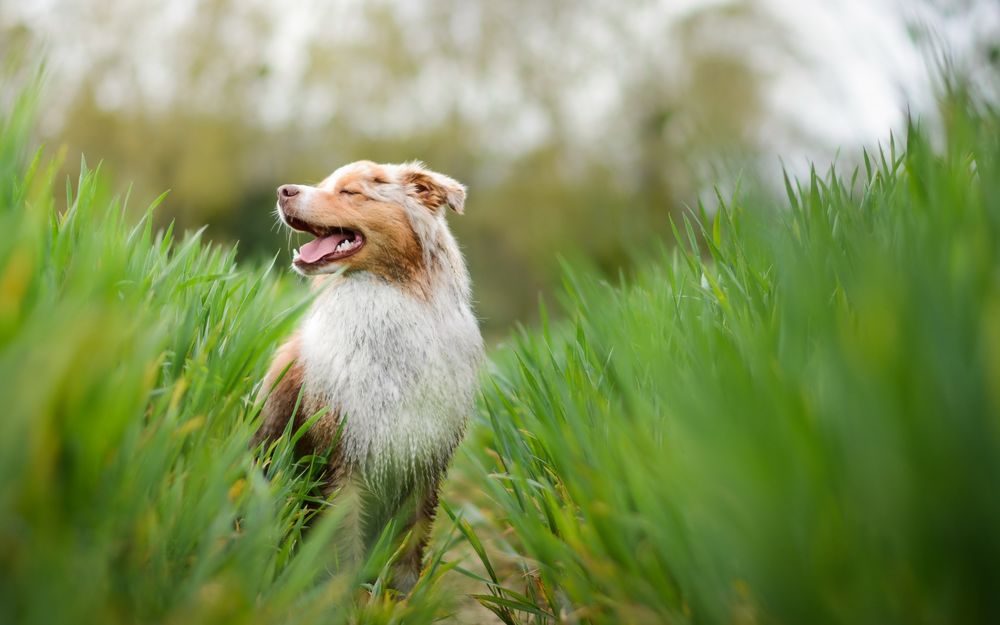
point(390, 348)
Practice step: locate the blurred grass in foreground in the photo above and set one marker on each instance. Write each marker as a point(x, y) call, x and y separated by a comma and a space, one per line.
point(799, 423)
point(128, 362)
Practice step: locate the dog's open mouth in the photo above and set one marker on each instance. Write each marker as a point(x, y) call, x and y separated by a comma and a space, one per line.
point(330, 244)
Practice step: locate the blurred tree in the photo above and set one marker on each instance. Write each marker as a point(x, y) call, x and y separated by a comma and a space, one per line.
point(579, 129)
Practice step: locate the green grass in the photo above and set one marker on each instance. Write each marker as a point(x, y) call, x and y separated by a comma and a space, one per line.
point(129, 361)
point(793, 416)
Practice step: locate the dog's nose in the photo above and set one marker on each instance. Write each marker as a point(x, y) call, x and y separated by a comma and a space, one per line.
point(287, 190)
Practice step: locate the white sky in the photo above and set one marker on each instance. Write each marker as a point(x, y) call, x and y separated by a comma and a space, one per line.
point(865, 72)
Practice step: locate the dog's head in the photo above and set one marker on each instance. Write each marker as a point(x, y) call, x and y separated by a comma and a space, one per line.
point(386, 219)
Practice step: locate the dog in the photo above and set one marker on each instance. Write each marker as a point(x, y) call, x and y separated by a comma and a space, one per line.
point(389, 349)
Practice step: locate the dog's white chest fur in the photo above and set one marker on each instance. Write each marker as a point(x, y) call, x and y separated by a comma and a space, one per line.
point(401, 371)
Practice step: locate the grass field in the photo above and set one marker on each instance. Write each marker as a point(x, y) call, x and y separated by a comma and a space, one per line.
point(791, 416)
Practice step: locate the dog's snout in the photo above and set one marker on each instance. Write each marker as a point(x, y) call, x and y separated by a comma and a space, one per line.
point(286, 191)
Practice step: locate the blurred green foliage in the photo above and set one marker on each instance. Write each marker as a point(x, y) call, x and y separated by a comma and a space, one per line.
point(199, 98)
point(128, 365)
point(792, 417)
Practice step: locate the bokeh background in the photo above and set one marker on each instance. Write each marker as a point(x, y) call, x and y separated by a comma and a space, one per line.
point(579, 127)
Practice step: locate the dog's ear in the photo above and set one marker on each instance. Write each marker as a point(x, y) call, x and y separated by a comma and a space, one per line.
point(434, 190)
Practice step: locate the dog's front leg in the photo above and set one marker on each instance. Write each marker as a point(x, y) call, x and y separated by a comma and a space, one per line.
point(406, 569)
point(282, 384)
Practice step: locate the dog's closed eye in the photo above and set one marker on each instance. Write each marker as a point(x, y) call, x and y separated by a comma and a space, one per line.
point(349, 192)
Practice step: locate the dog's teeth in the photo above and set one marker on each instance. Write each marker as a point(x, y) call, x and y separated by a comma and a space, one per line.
point(346, 245)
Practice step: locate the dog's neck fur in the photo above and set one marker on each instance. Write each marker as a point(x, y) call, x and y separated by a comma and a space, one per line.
point(398, 365)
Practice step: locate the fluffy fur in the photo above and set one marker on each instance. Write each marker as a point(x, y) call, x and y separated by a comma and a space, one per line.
point(390, 348)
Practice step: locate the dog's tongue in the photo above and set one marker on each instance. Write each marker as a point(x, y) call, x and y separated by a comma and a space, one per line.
point(318, 248)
